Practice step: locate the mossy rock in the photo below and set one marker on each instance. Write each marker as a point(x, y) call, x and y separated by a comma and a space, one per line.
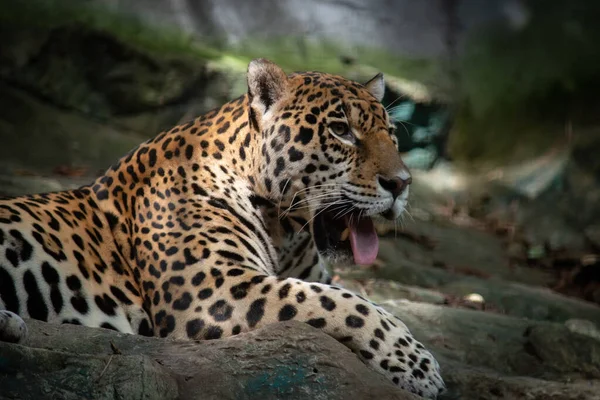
point(93, 72)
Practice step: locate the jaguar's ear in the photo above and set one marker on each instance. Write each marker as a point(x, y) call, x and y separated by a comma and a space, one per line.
point(376, 86)
point(267, 84)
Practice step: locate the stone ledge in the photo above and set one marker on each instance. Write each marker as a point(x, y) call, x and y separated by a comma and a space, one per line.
point(288, 360)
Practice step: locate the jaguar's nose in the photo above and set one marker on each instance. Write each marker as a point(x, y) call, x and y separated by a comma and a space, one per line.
point(395, 185)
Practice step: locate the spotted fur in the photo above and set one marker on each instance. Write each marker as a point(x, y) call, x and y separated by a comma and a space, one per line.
point(208, 230)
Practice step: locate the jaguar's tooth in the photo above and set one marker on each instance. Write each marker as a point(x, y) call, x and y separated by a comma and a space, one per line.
point(345, 234)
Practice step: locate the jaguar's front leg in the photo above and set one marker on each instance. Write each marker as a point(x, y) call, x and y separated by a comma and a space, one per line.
point(236, 300)
point(12, 327)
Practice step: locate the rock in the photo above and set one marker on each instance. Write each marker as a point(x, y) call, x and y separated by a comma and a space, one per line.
point(525, 301)
point(379, 291)
point(581, 198)
point(28, 373)
point(506, 345)
point(537, 176)
point(86, 98)
point(517, 250)
point(592, 233)
point(564, 352)
point(474, 298)
point(61, 137)
point(14, 182)
point(544, 225)
point(489, 385)
point(11, 185)
point(289, 360)
point(504, 296)
point(482, 355)
point(583, 327)
point(96, 74)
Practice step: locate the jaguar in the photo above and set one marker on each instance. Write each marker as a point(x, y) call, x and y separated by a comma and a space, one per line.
point(226, 224)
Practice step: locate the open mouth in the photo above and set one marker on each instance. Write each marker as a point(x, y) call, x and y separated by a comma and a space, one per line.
point(349, 236)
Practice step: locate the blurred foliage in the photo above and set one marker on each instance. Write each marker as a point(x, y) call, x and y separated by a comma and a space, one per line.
point(521, 87)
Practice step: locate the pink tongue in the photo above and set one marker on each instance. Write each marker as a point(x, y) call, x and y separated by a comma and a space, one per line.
point(364, 241)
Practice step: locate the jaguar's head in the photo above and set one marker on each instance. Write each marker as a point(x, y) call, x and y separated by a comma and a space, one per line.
point(329, 156)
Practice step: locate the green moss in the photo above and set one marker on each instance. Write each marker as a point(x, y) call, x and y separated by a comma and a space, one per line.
point(299, 53)
point(47, 14)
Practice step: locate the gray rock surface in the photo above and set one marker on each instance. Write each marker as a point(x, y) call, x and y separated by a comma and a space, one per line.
point(86, 99)
point(508, 346)
point(416, 29)
point(290, 360)
point(482, 356)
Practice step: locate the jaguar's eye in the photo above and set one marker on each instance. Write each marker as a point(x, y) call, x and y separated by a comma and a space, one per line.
point(341, 130)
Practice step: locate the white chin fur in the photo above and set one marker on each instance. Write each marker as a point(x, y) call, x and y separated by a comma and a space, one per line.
point(400, 204)
point(339, 258)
